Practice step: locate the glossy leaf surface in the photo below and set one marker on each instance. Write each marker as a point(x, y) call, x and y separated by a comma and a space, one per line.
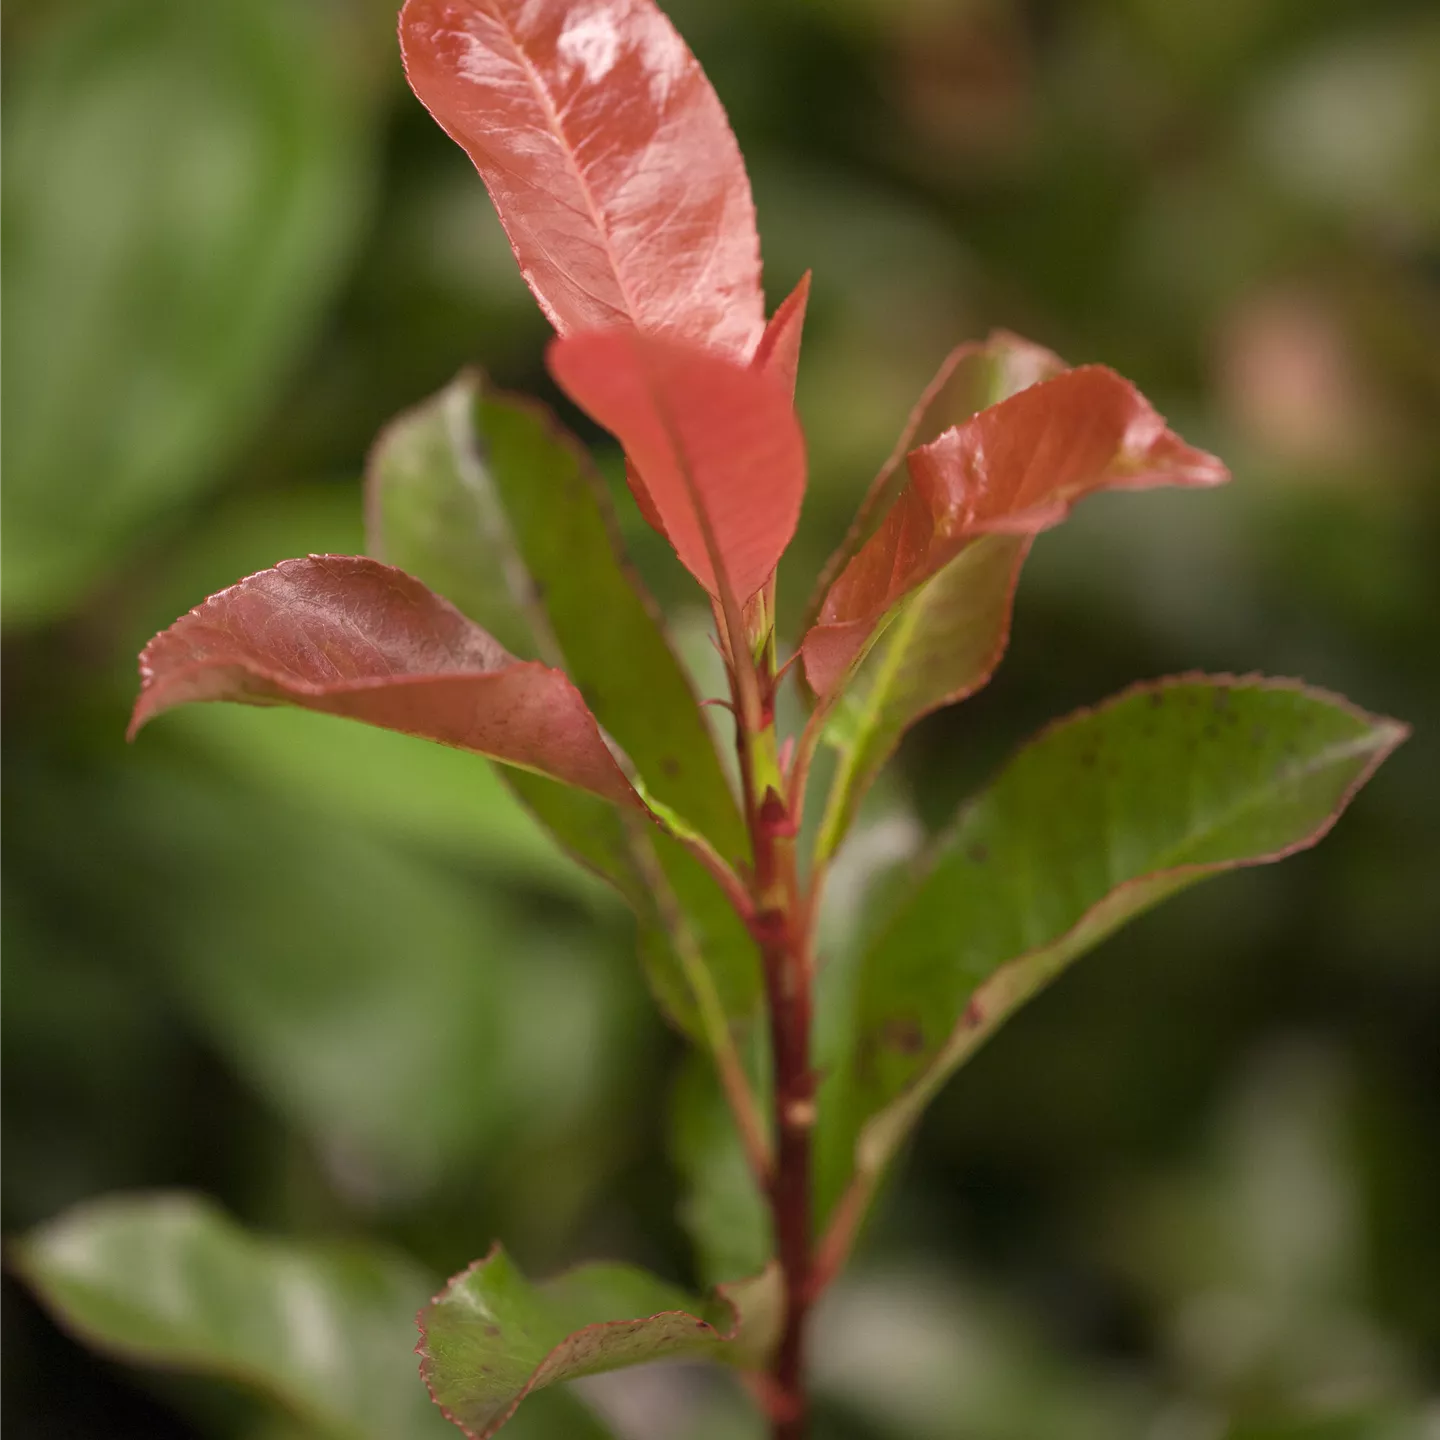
point(353, 775)
point(778, 354)
point(520, 501)
point(347, 636)
point(715, 443)
point(608, 157)
point(162, 277)
point(1100, 817)
point(169, 1280)
point(490, 1337)
point(477, 482)
point(1012, 470)
point(972, 377)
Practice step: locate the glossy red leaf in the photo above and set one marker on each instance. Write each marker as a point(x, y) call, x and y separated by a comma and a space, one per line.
point(608, 157)
point(1013, 469)
point(348, 636)
point(778, 353)
point(716, 442)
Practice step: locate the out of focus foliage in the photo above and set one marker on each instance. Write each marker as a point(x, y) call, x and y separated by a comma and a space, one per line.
point(342, 983)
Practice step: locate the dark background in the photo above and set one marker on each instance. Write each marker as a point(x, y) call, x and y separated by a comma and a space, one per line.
point(337, 980)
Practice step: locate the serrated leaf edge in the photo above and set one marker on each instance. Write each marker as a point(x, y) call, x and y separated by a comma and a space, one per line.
point(980, 1020)
point(539, 1377)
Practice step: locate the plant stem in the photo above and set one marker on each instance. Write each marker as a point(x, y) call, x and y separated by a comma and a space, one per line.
point(789, 1000)
point(781, 925)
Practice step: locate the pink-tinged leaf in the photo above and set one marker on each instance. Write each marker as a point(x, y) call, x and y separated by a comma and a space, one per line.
point(972, 377)
point(348, 636)
point(717, 444)
point(778, 353)
point(1014, 469)
point(608, 157)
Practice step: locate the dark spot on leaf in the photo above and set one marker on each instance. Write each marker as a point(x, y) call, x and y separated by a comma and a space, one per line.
point(492, 1330)
point(1258, 734)
point(670, 766)
point(539, 590)
point(1088, 758)
point(906, 1036)
point(978, 853)
point(1221, 698)
point(1156, 699)
point(1212, 732)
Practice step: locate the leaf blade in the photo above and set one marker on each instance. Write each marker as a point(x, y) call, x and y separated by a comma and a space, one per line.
point(1268, 766)
point(490, 1338)
point(607, 626)
point(516, 496)
point(972, 377)
point(716, 444)
point(170, 1280)
point(1015, 468)
point(347, 636)
point(608, 157)
point(778, 353)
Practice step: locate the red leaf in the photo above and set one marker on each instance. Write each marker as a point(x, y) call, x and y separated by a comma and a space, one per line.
point(778, 353)
point(972, 377)
point(716, 442)
point(1016, 469)
point(608, 156)
point(349, 636)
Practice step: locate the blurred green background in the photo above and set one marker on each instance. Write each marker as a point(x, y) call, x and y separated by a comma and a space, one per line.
point(337, 980)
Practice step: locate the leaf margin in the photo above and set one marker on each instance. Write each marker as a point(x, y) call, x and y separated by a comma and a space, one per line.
point(1018, 979)
point(731, 1297)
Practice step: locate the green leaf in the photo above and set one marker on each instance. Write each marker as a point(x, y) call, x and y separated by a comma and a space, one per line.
point(325, 1332)
point(472, 483)
point(490, 1337)
point(1100, 817)
point(942, 645)
point(920, 617)
point(164, 276)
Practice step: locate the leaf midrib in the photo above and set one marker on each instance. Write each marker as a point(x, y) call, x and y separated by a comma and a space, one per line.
point(557, 128)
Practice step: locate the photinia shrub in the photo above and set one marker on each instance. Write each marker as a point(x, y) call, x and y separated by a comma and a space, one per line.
point(500, 617)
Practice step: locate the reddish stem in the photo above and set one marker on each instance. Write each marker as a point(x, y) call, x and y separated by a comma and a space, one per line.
point(788, 991)
point(780, 923)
